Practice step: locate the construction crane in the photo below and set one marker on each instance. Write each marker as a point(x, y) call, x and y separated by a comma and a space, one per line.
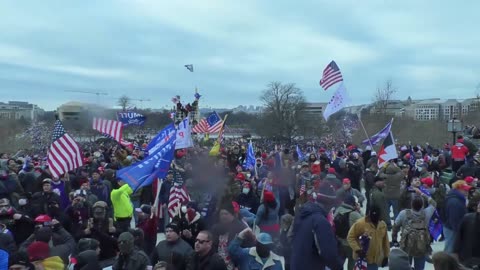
point(89, 92)
point(139, 99)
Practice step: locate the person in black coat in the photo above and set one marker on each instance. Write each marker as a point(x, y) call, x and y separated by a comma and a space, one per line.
point(41, 199)
point(466, 245)
point(21, 226)
point(248, 199)
point(205, 257)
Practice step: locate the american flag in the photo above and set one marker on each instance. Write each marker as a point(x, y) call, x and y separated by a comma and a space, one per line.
point(212, 124)
point(178, 196)
point(331, 76)
point(64, 154)
point(302, 189)
point(109, 127)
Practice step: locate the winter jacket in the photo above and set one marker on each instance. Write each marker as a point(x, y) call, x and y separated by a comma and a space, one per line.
point(178, 254)
point(270, 223)
point(149, 228)
point(100, 190)
point(378, 200)
point(87, 260)
point(248, 259)
point(333, 180)
point(21, 229)
point(7, 242)
point(63, 244)
point(137, 260)
point(393, 176)
point(248, 201)
point(379, 247)
point(402, 220)
point(122, 205)
point(466, 243)
point(40, 202)
point(314, 240)
point(211, 261)
point(455, 209)
point(459, 152)
point(353, 216)
point(195, 226)
point(342, 193)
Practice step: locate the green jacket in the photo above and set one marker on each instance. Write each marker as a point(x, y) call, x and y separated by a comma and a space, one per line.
point(378, 200)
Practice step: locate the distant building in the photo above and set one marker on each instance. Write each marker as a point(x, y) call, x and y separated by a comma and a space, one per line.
point(20, 110)
point(315, 109)
point(78, 111)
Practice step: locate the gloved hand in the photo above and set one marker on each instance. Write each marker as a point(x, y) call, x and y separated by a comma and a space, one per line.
point(385, 262)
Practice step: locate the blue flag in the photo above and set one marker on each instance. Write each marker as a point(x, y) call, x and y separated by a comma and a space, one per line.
point(250, 160)
point(156, 165)
point(161, 138)
point(131, 118)
point(299, 153)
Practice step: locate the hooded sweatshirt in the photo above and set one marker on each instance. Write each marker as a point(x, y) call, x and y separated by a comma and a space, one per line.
point(398, 260)
point(312, 240)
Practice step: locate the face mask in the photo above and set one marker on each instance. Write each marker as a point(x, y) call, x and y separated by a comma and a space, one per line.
point(374, 217)
point(245, 191)
point(263, 251)
point(184, 209)
point(22, 202)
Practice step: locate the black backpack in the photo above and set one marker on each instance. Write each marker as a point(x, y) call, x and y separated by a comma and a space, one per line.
point(342, 224)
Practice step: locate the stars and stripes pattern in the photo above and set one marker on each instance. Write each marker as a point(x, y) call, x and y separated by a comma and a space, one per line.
point(122, 141)
point(212, 124)
point(302, 189)
point(331, 76)
point(64, 154)
point(109, 127)
point(178, 196)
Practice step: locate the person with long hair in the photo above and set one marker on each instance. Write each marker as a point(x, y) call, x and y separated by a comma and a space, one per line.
point(267, 215)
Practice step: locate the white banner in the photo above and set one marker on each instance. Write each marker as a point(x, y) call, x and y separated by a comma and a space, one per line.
point(184, 135)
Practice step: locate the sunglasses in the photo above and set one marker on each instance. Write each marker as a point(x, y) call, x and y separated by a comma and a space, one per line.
point(201, 241)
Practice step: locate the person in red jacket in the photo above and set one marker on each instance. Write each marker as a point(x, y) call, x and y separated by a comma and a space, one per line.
point(148, 223)
point(459, 153)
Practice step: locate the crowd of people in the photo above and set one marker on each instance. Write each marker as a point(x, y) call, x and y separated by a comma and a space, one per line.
point(298, 207)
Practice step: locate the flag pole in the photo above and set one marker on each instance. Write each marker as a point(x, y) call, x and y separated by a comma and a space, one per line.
point(364, 130)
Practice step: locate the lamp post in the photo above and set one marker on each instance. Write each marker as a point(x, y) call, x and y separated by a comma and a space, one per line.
point(454, 125)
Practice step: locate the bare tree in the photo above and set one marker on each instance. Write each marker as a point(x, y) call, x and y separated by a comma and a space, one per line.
point(124, 101)
point(284, 110)
point(383, 96)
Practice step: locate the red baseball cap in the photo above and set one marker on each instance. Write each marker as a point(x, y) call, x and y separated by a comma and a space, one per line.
point(469, 179)
point(331, 170)
point(346, 181)
point(461, 185)
point(427, 181)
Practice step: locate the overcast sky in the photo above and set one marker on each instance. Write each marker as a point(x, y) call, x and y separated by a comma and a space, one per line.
point(139, 48)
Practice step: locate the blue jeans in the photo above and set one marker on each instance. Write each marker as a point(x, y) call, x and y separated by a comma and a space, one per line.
point(418, 262)
point(449, 239)
point(372, 267)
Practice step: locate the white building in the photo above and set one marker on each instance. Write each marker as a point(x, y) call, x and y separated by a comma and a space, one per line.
point(77, 111)
point(20, 110)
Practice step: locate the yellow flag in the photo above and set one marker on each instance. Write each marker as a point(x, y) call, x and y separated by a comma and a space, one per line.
point(215, 151)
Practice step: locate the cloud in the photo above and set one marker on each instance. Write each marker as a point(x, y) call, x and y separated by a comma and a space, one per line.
point(139, 47)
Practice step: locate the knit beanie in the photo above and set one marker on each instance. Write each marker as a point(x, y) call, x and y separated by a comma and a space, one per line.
point(174, 226)
point(38, 251)
point(268, 196)
point(326, 192)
